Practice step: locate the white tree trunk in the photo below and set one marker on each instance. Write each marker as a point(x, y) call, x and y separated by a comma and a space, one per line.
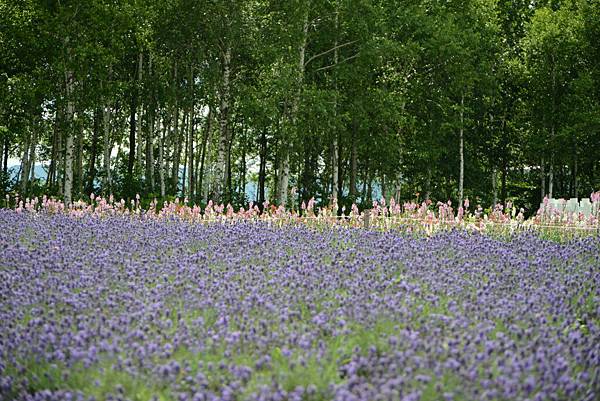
point(175, 137)
point(428, 183)
point(552, 130)
point(398, 188)
point(107, 151)
point(335, 156)
point(551, 178)
point(220, 176)
point(68, 188)
point(335, 169)
point(140, 112)
point(209, 181)
point(176, 149)
point(150, 135)
point(79, 158)
point(284, 174)
point(25, 168)
point(284, 159)
point(494, 188)
point(461, 178)
point(161, 163)
point(190, 151)
point(543, 177)
point(185, 155)
point(60, 163)
point(353, 162)
point(32, 147)
point(575, 183)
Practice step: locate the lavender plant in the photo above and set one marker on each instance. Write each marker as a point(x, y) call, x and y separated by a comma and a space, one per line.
point(121, 307)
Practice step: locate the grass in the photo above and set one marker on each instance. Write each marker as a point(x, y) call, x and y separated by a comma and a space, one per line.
point(98, 380)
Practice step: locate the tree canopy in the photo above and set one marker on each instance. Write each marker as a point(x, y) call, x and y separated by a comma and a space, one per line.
point(283, 101)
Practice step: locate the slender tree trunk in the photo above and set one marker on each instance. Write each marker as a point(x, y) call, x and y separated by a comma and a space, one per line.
point(79, 158)
point(93, 152)
point(32, 147)
point(190, 153)
point(207, 131)
point(552, 129)
point(242, 180)
point(107, 179)
point(197, 188)
point(161, 160)
point(150, 151)
point(140, 113)
point(228, 164)
point(167, 141)
point(5, 156)
point(176, 151)
point(132, 145)
point(543, 177)
point(220, 168)
point(369, 194)
point(503, 189)
point(365, 180)
point(284, 158)
point(335, 170)
point(185, 157)
point(551, 177)
point(60, 160)
point(561, 180)
point(575, 183)
point(335, 154)
point(53, 154)
point(107, 142)
point(494, 187)
point(228, 175)
point(461, 178)
point(24, 179)
point(398, 188)
point(151, 112)
point(208, 172)
point(262, 170)
point(283, 173)
point(428, 183)
point(68, 186)
point(305, 193)
point(353, 161)
point(190, 139)
point(341, 168)
point(175, 136)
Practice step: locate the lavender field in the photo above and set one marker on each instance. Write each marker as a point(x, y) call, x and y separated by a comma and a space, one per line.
point(127, 308)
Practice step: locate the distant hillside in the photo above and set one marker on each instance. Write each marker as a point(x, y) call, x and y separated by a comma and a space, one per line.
point(250, 190)
point(40, 172)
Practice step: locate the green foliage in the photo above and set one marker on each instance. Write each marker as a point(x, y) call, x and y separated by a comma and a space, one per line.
point(389, 85)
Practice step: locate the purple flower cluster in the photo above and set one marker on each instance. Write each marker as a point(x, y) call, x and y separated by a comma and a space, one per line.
point(124, 308)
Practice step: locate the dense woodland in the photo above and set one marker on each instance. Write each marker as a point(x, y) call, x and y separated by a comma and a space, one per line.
point(491, 100)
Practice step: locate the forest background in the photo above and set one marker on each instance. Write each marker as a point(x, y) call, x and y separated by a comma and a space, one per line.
point(285, 100)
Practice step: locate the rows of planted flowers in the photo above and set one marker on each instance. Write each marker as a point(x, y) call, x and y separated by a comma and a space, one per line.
point(118, 307)
point(424, 218)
